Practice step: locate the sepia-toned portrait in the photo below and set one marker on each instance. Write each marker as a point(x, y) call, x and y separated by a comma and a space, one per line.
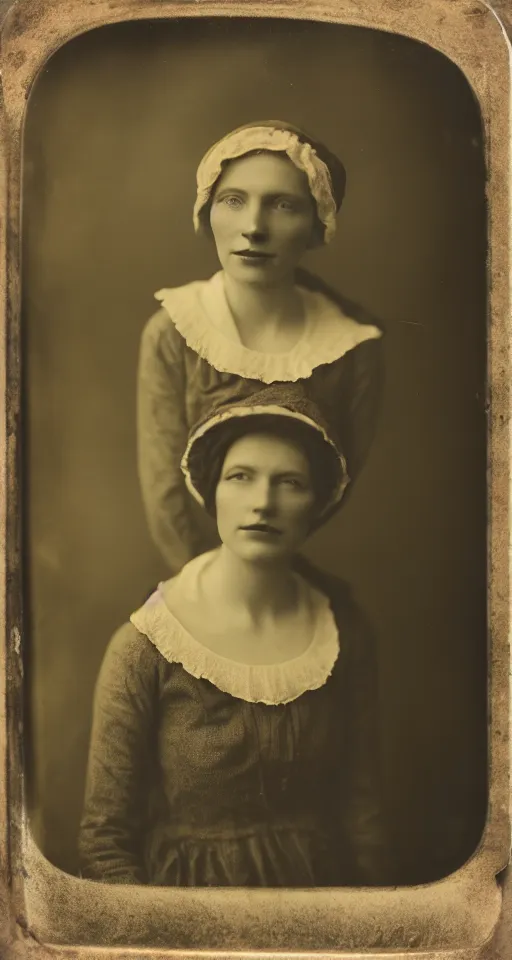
point(256, 474)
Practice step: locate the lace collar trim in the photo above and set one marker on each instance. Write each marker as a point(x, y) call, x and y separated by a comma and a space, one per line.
point(201, 314)
point(271, 684)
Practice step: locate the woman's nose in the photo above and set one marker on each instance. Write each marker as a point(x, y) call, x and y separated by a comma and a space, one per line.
point(263, 500)
point(255, 226)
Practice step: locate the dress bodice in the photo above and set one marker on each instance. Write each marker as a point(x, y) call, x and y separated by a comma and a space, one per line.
point(189, 784)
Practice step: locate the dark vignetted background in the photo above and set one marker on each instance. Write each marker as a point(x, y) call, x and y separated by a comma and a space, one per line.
point(116, 125)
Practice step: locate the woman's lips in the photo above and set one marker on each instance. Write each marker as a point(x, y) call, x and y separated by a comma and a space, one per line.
point(265, 529)
point(256, 256)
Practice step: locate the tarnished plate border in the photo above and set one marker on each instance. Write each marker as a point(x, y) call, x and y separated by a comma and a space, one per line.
point(43, 911)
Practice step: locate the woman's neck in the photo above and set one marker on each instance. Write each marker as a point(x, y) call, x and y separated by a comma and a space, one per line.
point(259, 311)
point(262, 590)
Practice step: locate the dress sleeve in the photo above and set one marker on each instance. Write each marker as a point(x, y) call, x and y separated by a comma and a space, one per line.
point(363, 401)
point(365, 823)
point(161, 439)
point(112, 825)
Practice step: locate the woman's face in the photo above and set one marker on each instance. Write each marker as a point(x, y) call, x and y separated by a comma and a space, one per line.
point(263, 218)
point(265, 501)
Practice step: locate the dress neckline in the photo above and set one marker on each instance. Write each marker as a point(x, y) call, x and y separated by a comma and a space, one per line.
point(201, 314)
point(272, 684)
point(215, 303)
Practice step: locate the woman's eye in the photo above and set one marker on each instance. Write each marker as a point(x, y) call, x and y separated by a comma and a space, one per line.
point(237, 476)
point(292, 482)
point(286, 205)
point(232, 201)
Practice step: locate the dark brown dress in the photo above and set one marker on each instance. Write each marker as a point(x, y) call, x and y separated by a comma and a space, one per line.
point(189, 785)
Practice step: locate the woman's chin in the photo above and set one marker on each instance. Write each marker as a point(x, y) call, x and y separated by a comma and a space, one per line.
point(258, 275)
point(261, 552)
point(252, 278)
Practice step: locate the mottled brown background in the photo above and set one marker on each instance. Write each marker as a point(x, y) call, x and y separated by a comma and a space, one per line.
point(116, 125)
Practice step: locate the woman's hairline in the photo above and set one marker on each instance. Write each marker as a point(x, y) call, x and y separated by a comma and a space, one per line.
point(262, 431)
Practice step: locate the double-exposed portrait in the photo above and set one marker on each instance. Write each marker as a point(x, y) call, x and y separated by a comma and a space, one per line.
point(256, 497)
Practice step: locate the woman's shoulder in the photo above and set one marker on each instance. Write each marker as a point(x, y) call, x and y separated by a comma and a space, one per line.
point(129, 650)
point(349, 308)
point(174, 300)
point(160, 337)
point(181, 321)
point(130, 672)
point(337, 327)
point(340, 593)
point(184, 295)
point(357, 638)
point(323, 580)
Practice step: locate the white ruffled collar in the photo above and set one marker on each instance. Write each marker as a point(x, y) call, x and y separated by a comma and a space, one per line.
point(271, 684)
point(201, 314)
